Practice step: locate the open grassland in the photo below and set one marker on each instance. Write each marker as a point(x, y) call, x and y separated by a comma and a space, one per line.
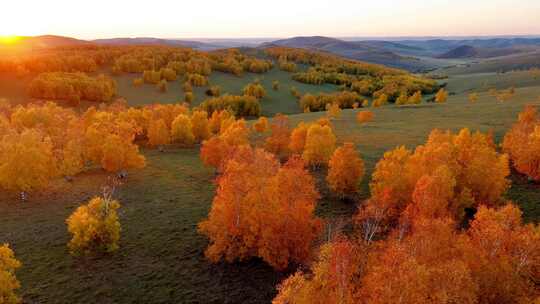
point(520, 61)
point(275, 101)
point(161, 254)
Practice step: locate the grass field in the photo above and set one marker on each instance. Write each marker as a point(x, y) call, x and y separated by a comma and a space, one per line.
point(161, 256)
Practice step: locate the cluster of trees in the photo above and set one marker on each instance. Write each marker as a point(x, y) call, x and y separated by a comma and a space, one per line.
point(262, 209)
point(407, 246)
point(319, 102)
point(254, 89)
point(8, 265)
point(522, 143)
point(287, 66)
point(493, 261)
point(41, 142)
point(240, 105)
point(363, 78)
point(73, 87)
point(404, 99)
point(197, 80)
point(254, 65)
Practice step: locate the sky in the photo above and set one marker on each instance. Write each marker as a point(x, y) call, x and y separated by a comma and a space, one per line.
point(274, 18)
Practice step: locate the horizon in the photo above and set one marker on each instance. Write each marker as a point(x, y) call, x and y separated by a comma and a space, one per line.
point(234, 19)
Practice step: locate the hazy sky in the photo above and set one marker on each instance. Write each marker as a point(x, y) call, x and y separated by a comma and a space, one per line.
point(270, 18)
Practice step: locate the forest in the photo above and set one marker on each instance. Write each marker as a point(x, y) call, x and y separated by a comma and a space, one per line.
point(378, 186)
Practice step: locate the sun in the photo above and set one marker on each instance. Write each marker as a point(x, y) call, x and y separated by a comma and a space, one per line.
point(9, 40)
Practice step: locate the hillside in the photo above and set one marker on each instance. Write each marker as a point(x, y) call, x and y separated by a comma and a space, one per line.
point(158, 41)
point(370, 51)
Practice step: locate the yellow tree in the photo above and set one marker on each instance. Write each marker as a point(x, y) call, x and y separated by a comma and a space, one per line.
point(261, 125)
point(402, 99)
point(298, 138)
point(8, 281)
point(182, 130)
point(473, 97)
point(333, 110)
point(200, 126)
point(416, 98)
point(320, 144)
point(345, 170)
point(278, 142)
point(26, 161)
point(119, 154)
point(158, 133)
point(441, 96)
point(94, 227)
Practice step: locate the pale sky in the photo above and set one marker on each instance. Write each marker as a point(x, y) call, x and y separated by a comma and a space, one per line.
point(271, 18)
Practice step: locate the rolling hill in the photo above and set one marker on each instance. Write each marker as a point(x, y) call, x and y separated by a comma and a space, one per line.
point(370, 51)
point(158, 41)
point(467, 51)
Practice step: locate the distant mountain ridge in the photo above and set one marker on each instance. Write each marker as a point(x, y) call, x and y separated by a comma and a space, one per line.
point(467, 51)
point(157, 41)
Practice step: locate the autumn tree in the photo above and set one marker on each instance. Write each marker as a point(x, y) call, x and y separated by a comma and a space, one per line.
point(298, 138)
point(364, 116)
point(380, 101)
point(9, 283)
point(158, 133)
point(473, 97)
point(464, 154)
point(218, 149)
point(402, 99)
point(94, 227)
point(278, 141)
point(415, 98)
point(240, 225)
point(200, 126)
point(27, 161)
point(254, 89)
point(320, 144)
point(182, 130)
point(275, 85)
point(118, 155)
point(427, 266)
point(188, 97)
point(522, 143)
point(345, 170)
point(504, 255)
point(334, 280)
point(333, 110)
point(441, 96)
point(261, 125)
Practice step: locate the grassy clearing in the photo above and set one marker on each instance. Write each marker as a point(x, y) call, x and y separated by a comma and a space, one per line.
point(280, 101)
point(161, 256)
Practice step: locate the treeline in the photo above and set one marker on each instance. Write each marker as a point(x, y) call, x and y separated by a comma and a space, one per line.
point(240, 105)
point(315, 103)
point(63, 59)
point(72, 87)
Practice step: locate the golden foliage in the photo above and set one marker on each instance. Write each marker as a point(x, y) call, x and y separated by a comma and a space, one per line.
point(345, 170)
point(94, 227)
point(8, 281)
